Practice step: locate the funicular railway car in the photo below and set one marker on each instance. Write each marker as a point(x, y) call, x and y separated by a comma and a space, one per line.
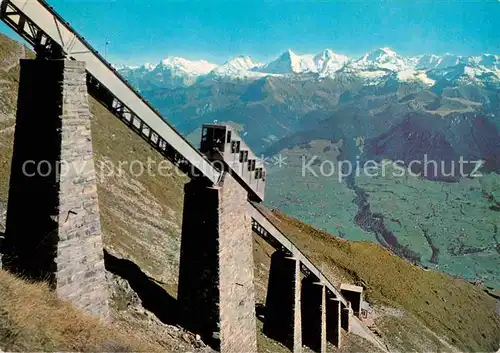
point(220, 142)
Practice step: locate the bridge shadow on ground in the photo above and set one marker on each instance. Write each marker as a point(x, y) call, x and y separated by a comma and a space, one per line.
point(154, 298)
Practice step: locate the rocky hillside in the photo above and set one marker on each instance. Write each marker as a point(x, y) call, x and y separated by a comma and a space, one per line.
point(413, 309)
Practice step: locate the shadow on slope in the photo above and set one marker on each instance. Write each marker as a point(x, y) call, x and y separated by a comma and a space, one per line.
point(154, 298)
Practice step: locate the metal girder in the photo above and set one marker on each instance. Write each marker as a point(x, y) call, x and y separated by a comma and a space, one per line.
point(306, 266)
point(43, 45)
point(53, 37)
point(121, 111)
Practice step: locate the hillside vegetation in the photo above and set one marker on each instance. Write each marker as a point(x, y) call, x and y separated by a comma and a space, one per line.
point(141, 219)
point(33, 319)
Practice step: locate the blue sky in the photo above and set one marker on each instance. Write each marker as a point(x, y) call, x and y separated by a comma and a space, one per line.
point(146, 31)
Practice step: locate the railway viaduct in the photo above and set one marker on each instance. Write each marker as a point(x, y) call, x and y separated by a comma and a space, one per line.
point(61, 241)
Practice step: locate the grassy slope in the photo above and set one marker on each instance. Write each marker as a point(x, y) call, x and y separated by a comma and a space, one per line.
point(33, 319)
point(452, 308)
point(141, 215)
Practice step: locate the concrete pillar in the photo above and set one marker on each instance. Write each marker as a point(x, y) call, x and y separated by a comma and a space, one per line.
point(53, 228)
point(216, 290)
point(314, 314)
point(283, 312)
point(333, 313)
point(346, 317)
point(353, 294)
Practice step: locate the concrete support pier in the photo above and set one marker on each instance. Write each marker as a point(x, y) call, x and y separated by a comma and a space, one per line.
point(283, 306)
point(346, 317)
point(53, 228)
point(353, 294)
point(314, 314)
point(216, 290)
point(333, 314)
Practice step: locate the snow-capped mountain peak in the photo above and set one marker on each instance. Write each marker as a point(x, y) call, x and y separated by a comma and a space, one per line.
point(238, 63)
point(382, 58)
point(426, 62)
point(328, 62)
point(195, 68)
point(147, 67)
point(373, 68)
point(380, 54)
point(487, 61)
point(289, 62)
point(243, 63)
point(448, 60)
point(238, 67)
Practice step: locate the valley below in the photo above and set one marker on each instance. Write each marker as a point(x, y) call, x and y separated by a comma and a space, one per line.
point(452, 227)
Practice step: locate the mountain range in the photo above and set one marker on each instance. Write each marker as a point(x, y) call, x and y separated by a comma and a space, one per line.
point(381, 106)
point(371, 67)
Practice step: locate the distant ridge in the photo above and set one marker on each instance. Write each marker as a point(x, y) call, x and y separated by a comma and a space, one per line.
point(179, 72)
